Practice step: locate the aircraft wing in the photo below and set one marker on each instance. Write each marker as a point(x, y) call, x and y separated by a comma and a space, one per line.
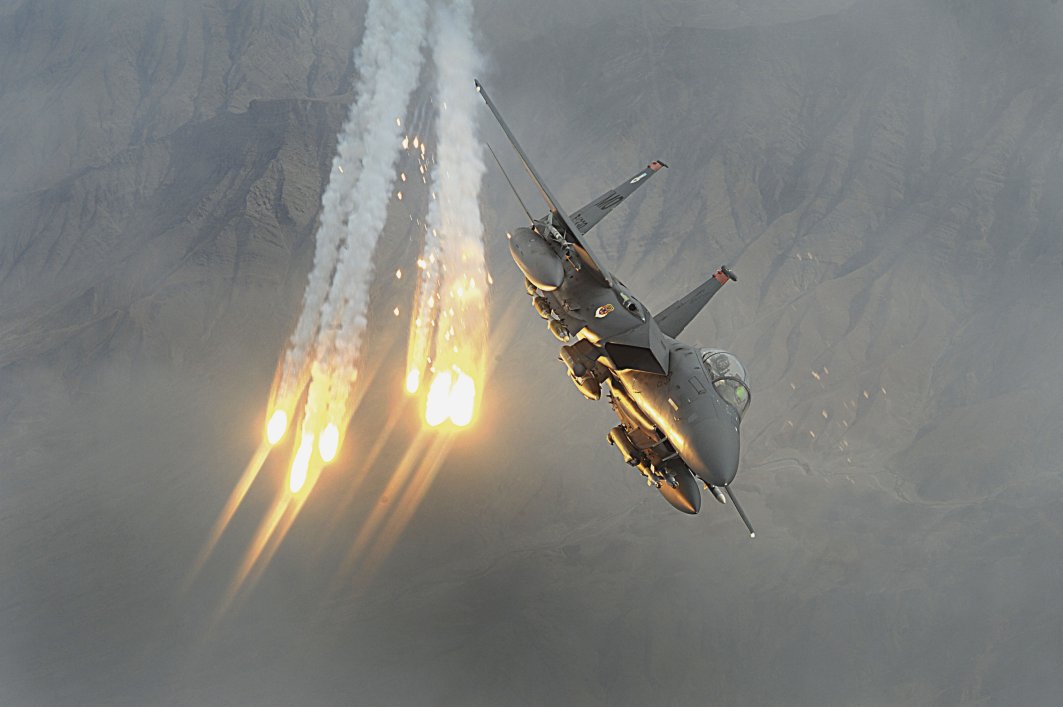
point(589, 216)
point(675, 318)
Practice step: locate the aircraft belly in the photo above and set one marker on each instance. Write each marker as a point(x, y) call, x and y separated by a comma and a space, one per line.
point(599, 307)
point(702, 428)
point(607, 319)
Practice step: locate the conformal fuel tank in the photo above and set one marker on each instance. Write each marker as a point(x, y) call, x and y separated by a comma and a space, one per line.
point(536, 260)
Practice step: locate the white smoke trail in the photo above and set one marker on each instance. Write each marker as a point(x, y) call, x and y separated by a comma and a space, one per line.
point(451, 313)
point(343, 315)
point(374, 60)
point(427, 298)
point(449, 336)
point(459, 165)
point(325, 347)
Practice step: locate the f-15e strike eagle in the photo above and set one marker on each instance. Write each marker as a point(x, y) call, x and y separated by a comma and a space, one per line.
point(679, 407)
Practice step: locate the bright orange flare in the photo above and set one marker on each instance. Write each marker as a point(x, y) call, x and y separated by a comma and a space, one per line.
point(329, 443)
point(277, 426)
point(462, 399)
point(451, 396)
point(413, 381)
point(301, 463)
point(437, 406)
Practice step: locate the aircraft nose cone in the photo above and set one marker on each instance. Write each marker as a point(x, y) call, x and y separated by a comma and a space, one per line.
point(713, 453)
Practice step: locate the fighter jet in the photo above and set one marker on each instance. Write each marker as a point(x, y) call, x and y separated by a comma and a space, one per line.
point(680, 408)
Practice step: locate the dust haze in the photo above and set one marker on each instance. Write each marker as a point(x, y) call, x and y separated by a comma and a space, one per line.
point(887, 182)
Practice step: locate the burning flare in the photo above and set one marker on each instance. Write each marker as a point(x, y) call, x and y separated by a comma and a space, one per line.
point(462, 400)
point(329, 443)
point(448, 336)
point(413, 381)
point(277, 426)
point(451, 396)
point(437, 405)
point(301, 464)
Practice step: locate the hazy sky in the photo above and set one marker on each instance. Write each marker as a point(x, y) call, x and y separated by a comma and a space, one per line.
point(885, 181)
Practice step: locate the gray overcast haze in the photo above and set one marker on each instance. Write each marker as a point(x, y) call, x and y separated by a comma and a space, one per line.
point(886, 178)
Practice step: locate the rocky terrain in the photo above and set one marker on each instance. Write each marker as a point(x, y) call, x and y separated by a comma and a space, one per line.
point(886, 181)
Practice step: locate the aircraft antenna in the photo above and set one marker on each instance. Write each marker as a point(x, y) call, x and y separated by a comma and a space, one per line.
point(741, 512)
point(509, 181)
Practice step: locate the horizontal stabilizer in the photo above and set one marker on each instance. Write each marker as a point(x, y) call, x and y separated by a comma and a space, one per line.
point(675, 318)
point(589, 216)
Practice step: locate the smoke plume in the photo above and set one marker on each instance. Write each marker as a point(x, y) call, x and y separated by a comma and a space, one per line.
point(355, 202)
point(449, 333)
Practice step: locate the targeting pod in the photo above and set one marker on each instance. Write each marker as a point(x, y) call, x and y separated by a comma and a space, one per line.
point(619, 439)
point(717, 493)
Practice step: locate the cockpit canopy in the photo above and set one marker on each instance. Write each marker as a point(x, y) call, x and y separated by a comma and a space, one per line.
point(729, 377)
